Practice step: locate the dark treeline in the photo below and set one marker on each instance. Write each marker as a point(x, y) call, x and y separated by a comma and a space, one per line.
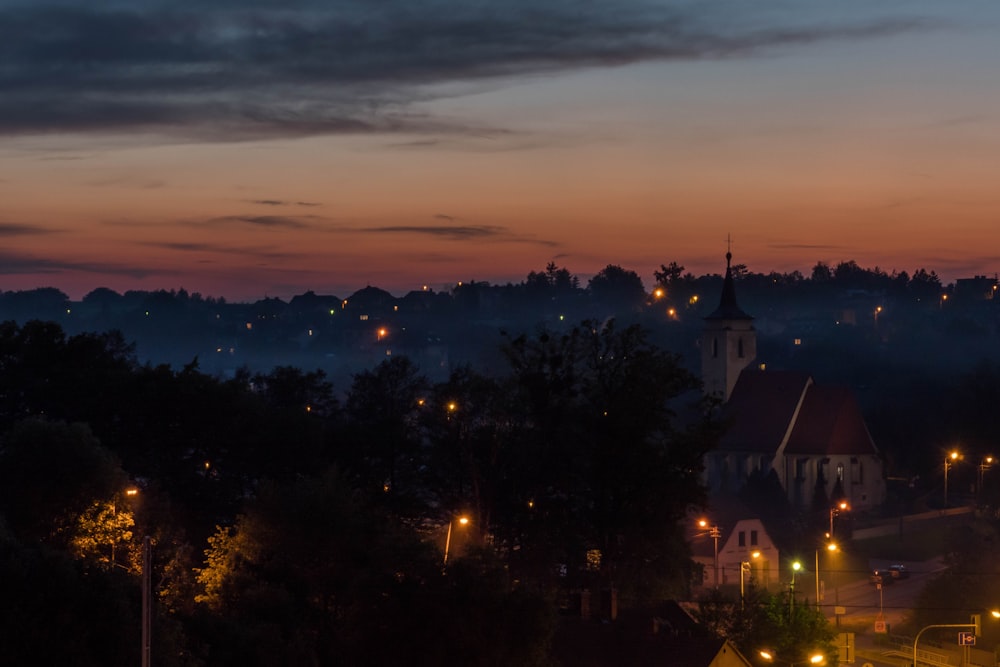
point(291, 526)
point(343, 334)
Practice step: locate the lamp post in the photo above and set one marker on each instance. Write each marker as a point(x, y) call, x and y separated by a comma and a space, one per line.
point(948, 462)
point(984, 465)
point(796, 566)
point(974, 625)
point(745, 568)
point(715, 533)
point(146, 634)
point(831, 547)
point(462, 520)
point(842, 506)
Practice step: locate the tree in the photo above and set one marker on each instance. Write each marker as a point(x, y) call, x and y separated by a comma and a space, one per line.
point(607, 470)
point(615, 285)
point(668, 274)
point(383, 444)
point(51, 473)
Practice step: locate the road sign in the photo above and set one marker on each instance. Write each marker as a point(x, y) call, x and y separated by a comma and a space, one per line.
point(966, 639)
point(880, 627)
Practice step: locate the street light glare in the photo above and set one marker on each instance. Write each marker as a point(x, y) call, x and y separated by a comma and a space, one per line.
point(463, 520)
point(796, 566)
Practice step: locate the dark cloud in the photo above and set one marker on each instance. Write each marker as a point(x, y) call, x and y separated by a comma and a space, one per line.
point(254, 252)
point(12, 263)
point(805, 246)
point(459, 233)
point(263, 221)
point(216, 70)
point(279, 202)
point(15, 229)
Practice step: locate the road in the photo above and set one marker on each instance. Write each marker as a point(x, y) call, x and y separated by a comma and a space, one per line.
point(863, 602)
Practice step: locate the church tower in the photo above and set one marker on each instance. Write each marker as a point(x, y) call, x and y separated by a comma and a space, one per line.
point(728, 341)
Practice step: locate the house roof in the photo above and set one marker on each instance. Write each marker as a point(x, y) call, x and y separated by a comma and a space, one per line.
point(761, 408)
point(830, 422)
point(631, 642)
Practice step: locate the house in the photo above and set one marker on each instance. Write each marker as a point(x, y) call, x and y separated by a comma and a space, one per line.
point(743, 545)
point(812, 437)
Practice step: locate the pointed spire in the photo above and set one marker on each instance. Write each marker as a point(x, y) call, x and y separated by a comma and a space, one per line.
point(728, 308)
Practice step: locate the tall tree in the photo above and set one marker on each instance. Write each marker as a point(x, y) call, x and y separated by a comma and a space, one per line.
point(609, 470)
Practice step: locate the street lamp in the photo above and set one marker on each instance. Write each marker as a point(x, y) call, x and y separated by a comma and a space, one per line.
point(984, 465)
point(948, 462)
point(745, 568)
point(842, 506)
point(796, 566)
point(715, 534)
point(831, 547)
point(462, 520)
point(973, 625)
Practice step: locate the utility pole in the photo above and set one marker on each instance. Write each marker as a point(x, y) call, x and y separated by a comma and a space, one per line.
point(147, 599)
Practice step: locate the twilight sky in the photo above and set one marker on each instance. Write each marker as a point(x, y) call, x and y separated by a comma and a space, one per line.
point(244, 148)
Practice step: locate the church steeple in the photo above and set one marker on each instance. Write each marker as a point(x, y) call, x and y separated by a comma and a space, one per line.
point(728, 341)
point(728, 308)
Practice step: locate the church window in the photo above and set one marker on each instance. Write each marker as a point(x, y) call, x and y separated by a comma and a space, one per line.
point(753, 538)
point(739, 348)
point(840, 472)
point(743, 538)
point(715, 348)
point(857, 471)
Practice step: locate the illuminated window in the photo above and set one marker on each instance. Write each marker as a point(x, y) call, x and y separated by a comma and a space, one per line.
point(363, 318)
point(249, 326)
point(798, 341)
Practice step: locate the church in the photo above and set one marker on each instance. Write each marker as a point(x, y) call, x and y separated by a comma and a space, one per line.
point(811, 436)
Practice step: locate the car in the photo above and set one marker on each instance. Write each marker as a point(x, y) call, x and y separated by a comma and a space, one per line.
point(898, 571)
point(881, 577)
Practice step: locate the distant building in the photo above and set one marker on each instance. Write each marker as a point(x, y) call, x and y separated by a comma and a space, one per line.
point(812, 437)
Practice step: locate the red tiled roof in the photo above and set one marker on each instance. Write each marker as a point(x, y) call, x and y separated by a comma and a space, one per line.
point(830, 422)
point(761, 408)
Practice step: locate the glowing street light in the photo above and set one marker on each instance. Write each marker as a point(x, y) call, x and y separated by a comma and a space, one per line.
point(463, 521)
point(745, 568)
point(715, 533)
point(948, 462)
point(796, 566)
point(842, 506)
point(984, 465)
point(831, 547)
